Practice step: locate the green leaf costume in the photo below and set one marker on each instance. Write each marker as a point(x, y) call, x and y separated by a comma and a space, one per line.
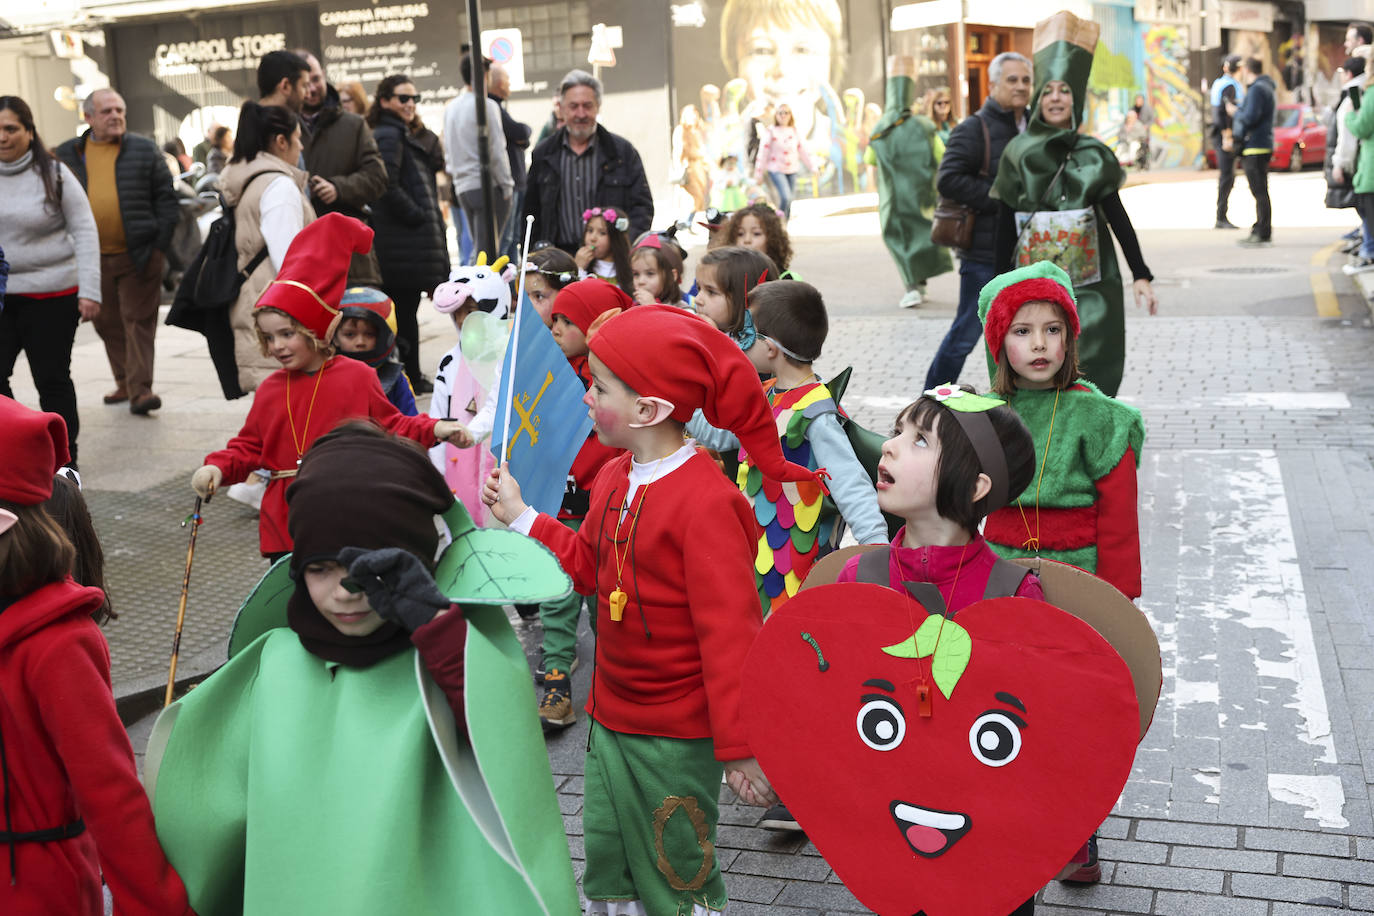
point(1026, 182)
point(289, 784)
point(904, 148)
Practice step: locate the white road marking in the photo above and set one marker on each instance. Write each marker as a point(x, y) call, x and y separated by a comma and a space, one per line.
point(1322, 796)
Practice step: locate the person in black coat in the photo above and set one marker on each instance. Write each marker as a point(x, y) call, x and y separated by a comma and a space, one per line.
point(963, 179)
point(409, 241)
point(619, 174)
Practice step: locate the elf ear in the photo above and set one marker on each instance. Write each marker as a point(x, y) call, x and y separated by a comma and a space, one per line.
point(653, 410)
point(600, 320)
point(7, 520)
point(981, 487)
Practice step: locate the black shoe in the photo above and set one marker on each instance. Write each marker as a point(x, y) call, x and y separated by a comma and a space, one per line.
point(1253, 240)
point(423, 385)
point(1224, 223)
point(779, 818)
point(1351, 247)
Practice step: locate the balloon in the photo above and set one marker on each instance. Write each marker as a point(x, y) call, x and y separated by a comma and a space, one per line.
point(483, 340)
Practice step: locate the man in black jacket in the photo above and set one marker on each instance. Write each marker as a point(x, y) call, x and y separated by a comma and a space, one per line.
point(1253, 126)
point(583, 165)
point(964, 178)
point(135, 209)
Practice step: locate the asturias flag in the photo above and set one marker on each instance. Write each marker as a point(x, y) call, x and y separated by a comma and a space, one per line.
point(548, 422)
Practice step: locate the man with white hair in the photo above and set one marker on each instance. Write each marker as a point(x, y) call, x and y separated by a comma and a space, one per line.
point(583, 165)
point(135, 208)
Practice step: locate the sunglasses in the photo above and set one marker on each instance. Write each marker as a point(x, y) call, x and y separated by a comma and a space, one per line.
point(403, 99)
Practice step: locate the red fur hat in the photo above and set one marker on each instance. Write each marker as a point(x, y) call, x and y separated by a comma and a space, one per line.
point(665, 352)
point(310, 284)
point(33, 447)
point(1004, 295)
point(584, 301)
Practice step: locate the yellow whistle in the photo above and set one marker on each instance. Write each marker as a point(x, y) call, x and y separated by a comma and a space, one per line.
point(618, 599)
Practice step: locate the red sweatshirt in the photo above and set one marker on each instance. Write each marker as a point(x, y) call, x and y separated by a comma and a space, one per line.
point(68, 757)
point(672, 665)
point(271, 438)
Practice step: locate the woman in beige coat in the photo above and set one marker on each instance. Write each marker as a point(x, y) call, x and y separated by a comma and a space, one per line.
point(268, 212)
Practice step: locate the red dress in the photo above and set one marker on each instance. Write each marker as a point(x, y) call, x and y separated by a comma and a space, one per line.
point(272, 438)
point(67, 756)
point(671, 666)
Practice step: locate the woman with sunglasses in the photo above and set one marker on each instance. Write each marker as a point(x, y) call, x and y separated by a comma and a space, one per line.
point(939, 107)
point(410, 242)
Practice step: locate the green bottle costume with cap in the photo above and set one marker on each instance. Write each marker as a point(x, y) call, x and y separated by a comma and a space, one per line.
point(1026, 183)
point(904, 147)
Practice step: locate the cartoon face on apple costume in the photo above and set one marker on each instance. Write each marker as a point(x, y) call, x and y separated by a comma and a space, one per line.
point(938, 753)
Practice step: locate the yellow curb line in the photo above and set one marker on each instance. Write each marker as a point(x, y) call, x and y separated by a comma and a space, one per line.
point(1322, 290)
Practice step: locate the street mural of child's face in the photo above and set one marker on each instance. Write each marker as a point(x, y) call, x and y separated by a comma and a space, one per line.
point(785, 63)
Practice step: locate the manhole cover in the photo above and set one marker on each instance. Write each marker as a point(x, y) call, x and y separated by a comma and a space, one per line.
point(1242, 269)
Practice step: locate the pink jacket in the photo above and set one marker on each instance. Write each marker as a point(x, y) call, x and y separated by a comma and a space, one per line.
point(781, 151)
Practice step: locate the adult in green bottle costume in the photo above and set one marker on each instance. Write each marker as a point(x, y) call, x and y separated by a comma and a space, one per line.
point(1057, 192)
point(906, 147)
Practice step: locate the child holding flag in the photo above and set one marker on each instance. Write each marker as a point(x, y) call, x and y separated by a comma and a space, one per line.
point(668, 551)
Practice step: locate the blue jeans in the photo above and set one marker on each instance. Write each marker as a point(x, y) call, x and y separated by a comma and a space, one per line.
point(786, 186)
point(965, 331)
point(1364, 205)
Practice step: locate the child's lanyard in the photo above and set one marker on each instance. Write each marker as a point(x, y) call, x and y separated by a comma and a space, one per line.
point(1032, 541)
point(617, 598)
point(304, 439)
point(924, 706)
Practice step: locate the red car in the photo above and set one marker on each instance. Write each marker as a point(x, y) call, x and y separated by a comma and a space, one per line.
point(1299, 139)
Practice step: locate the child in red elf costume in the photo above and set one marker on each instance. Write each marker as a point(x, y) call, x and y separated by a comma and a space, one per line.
point(73, 807)
point(296, 318)
point(668, 550)
point(578, 305)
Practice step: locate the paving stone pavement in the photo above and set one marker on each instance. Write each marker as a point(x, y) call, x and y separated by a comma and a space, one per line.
point(1250, 794)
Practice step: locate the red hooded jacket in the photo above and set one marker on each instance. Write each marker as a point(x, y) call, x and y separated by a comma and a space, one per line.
point(66, 757)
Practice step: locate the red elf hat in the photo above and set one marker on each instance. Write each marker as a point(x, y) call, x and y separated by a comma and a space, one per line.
point(314, 272)
point(664, 352)
point(1005, 293)
point(586, 300)
point(33, 447)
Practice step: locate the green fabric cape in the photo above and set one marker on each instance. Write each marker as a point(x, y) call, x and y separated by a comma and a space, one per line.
point(904, 146)
point(286, 784)
point(1024, 177)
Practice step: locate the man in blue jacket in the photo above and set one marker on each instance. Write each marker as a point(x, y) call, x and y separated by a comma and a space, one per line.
point(1253, 129)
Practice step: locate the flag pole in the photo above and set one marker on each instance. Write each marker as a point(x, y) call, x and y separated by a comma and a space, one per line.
point(515, 349)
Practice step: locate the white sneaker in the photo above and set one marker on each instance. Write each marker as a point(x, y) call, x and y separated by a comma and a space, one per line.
point(1358, 266)
point(912, 299)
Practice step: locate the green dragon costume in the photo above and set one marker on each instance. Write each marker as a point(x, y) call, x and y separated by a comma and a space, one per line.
point(1055, 179)
point(907, 152)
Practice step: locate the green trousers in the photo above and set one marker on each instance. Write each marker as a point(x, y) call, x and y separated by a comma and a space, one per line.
point(560, 623)
point(649, 822)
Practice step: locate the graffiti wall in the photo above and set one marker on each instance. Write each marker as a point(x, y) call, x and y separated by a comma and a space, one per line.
point(1176, 136)
point(736, 62)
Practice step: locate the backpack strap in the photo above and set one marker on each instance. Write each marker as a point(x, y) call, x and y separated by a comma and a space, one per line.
point(258, 258)
point(873, 570)
point(1005, 579)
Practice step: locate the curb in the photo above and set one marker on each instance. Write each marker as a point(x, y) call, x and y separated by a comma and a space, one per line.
point(143, 696)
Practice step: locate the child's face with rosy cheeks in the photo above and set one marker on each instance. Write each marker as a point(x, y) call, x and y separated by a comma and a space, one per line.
point(750, 234)
point(1034, 344)
point(287, 343)
point(646, 274)
point(541, 295)
point(347, 612)
point(569, 336)
point(597, 238)
point(611, 405)
point(709, 300)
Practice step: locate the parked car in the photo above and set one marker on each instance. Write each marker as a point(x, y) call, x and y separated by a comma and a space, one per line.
point(1299, 139)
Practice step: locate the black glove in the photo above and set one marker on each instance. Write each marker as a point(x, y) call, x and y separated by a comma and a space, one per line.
point(398, 586)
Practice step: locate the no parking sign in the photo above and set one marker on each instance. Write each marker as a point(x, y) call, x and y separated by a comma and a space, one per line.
point(505, 47)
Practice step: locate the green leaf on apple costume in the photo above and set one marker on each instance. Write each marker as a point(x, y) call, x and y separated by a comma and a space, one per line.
point(948, 642)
